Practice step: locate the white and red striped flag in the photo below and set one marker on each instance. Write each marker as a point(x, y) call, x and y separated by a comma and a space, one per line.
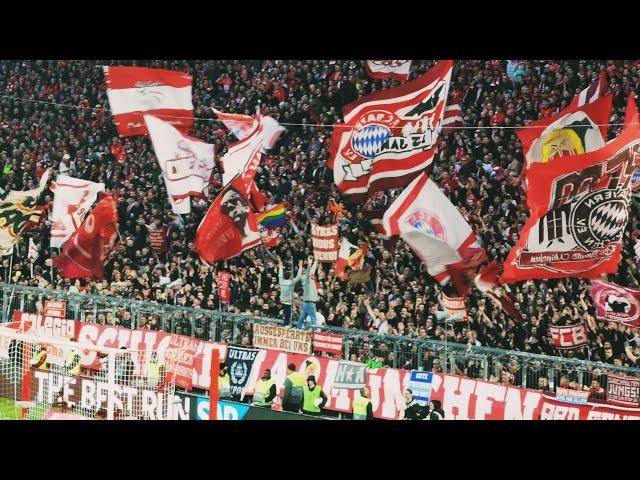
point(452, 119)
point(186, 163)
point(396, 69)
point(243, 125)
point(592, 93)
point(133, 91)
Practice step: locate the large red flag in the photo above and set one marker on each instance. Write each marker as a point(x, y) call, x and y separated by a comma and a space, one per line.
point(84, 253)
point(133, 91)
point(229, 227)
point(389, 137)
point(579, 210)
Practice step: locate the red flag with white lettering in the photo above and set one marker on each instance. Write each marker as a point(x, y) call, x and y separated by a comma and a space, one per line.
point(133, 91)
point(395, 69)
point(85, 252)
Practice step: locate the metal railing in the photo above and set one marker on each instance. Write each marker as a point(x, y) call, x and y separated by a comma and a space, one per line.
point(513, 367)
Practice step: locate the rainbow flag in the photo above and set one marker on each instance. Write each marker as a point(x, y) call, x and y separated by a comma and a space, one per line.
point(274, 217)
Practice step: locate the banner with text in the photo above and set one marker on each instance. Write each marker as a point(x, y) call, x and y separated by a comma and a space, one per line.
point(281, 338)
point(568, 336)
point(623, 390)
point(349, 375)
point(325, 243)
point(327, 342)
point(240, 364)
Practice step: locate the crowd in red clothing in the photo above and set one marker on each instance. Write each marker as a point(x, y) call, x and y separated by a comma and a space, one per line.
point(51, 115)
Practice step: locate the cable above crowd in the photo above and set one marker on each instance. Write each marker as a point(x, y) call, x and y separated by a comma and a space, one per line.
point(55, 114)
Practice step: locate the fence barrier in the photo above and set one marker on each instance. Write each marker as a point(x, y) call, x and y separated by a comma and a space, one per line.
point(516, 368)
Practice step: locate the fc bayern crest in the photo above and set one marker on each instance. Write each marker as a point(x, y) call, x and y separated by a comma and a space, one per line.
point(239, 372)
point(428, 224)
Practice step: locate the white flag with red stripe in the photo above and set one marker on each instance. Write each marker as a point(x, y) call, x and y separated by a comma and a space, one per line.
point(452, 119)
point(242, 126)
point(592, 93)
point(432, 226)
point(396, 69)
point(186, 163)
point(133, 91)
point(72, 200)
point(244, 156)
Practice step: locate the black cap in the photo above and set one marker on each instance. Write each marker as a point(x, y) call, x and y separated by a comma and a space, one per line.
point(311, 378)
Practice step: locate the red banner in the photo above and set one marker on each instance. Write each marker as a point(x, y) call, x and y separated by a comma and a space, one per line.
point(569, 336)
point(55, 309)
point(224, 289)
point(615, 303)
point(623, 390)
point(158, 240)
point(181, 364)
point(325, 243)
point(327, 342)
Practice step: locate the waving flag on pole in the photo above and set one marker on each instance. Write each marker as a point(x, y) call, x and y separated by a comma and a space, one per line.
point(487, 282)
point(592, 93)
point(395, 69)
point(133, 91)
point(389, 137)
point(350, 256)
point(84, 254)
point(72, 200)
point(432, 226)
point(16, 210)
point(186, 162)
point(33, 254)
point(229, 227)
point(575, 130)
point(579, 211)
point(273, 217)
point(243, 125)
point(243, 156)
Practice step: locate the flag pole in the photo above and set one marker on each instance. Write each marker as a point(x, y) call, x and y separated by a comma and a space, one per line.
point(10, 265)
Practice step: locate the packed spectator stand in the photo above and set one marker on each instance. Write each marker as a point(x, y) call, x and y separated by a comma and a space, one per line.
point(53, 115)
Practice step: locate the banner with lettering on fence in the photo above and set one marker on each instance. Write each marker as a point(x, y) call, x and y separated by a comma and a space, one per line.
point(327, 342)
point(454, 305)
point(325, 243)
point(623, 390)
point(349, 375)
point(179, 359)
point(281, 338)
point(568, 336)
point(54, 308)
point(576, 397)
point(240, 364)
point(420, 386)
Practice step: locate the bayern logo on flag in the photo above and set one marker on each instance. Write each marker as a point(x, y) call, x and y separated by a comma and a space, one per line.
point(428, 224)
point(368, 139)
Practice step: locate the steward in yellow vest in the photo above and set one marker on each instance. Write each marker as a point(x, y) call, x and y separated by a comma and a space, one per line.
point(314, 397)
point(362, 408)
point(39, 359)
point(224, 382)
point(293, 390)
point(265, 390)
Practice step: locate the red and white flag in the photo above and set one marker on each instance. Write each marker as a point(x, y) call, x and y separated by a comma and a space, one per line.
point(243, 157)
point(133, 91)
point(432, 226)
point(573, 131)
point(270, 237)
point(350, 256)
point(243, 125)
point(186, 163)
point(389, 137)
point(452, 119)
point(84, 254)
point(396, 69)
point(615, 303)
point(72, 200)
point(579, 211)
point(325, 242)
point(229, 227)
point(487, 282)
point(593, 92)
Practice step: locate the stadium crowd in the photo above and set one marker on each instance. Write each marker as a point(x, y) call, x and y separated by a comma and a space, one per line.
point(51, 115)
